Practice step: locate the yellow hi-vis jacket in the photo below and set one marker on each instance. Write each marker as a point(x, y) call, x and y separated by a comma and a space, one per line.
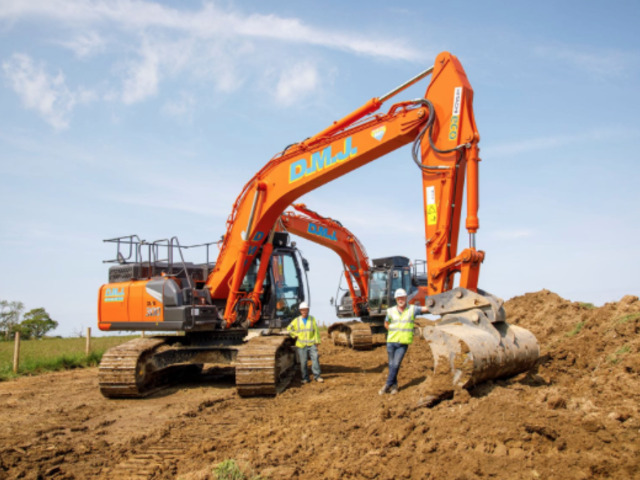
point(401, 325)
point(306, 334)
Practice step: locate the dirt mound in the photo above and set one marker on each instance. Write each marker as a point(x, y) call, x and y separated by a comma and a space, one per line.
point(575, 415)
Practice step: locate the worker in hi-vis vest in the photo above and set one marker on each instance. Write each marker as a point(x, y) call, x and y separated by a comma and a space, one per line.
point(304, 329)
point(399, 323)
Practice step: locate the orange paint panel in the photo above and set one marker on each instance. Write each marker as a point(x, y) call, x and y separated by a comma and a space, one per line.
point(125, 302)
point(112, 304)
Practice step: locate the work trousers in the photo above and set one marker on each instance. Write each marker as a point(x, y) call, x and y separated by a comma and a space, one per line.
point(303, 354)
point(396, 352)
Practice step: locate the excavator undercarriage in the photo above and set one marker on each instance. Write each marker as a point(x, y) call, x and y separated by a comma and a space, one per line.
point(263, 365)
point(356, 334)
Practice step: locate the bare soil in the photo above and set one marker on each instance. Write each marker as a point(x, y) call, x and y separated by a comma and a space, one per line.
point(576, 415)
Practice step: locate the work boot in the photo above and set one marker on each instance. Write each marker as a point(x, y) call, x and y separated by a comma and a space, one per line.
point(383, 390)
point(304, 381)
point(394, 389)
point(319, 380)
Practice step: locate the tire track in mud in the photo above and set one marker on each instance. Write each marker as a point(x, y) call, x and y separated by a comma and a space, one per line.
point(158, 454)
point(147, 464)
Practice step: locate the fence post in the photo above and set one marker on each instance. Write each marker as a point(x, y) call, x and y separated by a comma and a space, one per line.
point(142, 334)
point(16, 353)
point(87, 347)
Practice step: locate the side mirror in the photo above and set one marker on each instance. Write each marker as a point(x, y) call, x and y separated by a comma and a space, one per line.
point(305, 264)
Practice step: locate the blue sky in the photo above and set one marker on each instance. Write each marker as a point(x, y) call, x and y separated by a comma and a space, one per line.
point(139, 117)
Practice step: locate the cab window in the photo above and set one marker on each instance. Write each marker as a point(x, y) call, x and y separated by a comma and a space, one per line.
point(287, 285)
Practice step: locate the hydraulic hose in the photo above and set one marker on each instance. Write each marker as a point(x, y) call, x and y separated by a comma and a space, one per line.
point(428, 127)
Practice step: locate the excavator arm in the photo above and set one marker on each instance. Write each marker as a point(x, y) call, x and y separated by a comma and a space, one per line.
point(444, 117)
point(449, 154)
point(332, 234)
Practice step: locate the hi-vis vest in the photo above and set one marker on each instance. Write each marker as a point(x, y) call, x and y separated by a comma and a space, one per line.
point(401, 325)
point(307, 334)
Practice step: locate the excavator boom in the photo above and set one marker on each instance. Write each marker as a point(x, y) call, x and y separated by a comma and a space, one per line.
point(300, 169)
point(442, 127)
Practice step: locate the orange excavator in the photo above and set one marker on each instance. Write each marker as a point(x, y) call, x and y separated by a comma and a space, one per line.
point(370, 285)
point(257, 280)
point(332, 234)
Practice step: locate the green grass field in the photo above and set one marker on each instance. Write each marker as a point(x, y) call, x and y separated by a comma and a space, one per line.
point(50, 354)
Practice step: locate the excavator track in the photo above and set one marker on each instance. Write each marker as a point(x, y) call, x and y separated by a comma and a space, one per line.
point(127, 371)
point(354, 334)
point(264, 366)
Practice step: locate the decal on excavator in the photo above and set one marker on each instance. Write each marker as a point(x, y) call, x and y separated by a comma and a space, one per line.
point(432, 211)
point(153, 293)
point(353, 270)
point(320, 161)
point(379, 132)
point(256, 238)
point(114, 294)
point(253, 249)
point(455, 115)
point(322, 231)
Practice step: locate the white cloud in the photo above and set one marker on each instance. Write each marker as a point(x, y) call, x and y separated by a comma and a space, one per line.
point(45, 93)
point(208, 22)
point(180, 107)
point(554, 142)
point(85, 44)
point(158, 59)
point(599, 62)
point(142, 77)
point(296, 82)
point(153, 42)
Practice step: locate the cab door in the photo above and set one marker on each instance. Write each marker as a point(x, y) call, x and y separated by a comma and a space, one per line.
point(288, 283)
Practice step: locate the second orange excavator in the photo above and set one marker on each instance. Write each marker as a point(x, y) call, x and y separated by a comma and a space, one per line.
point(369, 284)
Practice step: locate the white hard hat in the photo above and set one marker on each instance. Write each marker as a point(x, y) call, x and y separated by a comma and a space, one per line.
point(400, 293)
point(303, 306)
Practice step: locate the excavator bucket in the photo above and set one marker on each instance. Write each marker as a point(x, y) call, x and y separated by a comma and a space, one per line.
point(472, 343)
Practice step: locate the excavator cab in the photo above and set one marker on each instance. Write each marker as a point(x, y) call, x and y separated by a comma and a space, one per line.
point(386, 276)
point(284, 287)
point(152, 287)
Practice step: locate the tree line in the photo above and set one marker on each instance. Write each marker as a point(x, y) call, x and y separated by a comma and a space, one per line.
point(35, 323)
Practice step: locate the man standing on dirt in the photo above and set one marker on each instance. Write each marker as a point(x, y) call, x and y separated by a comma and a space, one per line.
point(399, 323)
point(304, 329)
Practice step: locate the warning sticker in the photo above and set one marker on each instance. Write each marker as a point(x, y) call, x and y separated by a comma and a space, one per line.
point(432, 215)
point(432, 209)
